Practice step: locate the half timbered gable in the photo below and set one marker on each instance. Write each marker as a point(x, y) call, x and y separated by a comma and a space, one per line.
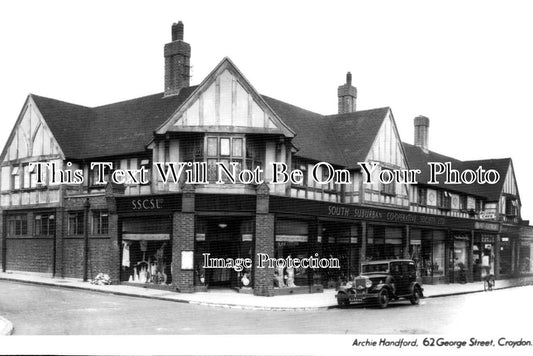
point(31, 140)
point(225, 102)
point(387, 151)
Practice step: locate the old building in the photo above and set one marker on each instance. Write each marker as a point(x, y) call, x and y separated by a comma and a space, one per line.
point(156, 233)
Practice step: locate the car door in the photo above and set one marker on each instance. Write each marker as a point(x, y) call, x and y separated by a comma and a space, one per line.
point(396, 274)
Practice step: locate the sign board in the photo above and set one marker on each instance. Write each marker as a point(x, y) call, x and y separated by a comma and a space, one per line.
point(187, 259)
point(488, 215)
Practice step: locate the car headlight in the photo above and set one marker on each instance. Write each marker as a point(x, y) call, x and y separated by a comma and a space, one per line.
point(368, 283)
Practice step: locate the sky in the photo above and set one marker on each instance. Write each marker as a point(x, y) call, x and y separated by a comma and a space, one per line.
point(467, 65)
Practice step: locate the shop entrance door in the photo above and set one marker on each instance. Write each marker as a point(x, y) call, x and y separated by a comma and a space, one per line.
point(223, 277)
point(223, 241)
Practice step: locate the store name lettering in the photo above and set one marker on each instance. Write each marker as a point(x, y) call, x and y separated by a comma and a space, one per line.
point(147, 204)
point(388, 216)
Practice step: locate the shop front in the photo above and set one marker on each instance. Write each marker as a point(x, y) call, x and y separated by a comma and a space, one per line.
point(146, 253)
point(526, 252)
point(341, 241)
point(219, 239)
point(385, 242)
point(460, 257)
point(428, 250)
point(145, 237)
point(484, 255)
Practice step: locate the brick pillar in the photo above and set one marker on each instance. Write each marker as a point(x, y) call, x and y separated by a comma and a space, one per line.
point(407, 241)
point(114, 263)
point(470, 273)
point(264, 242)
point(61, 221)
point(313, 248)
point(183, 240)
point(362, 250)
point(497, 256)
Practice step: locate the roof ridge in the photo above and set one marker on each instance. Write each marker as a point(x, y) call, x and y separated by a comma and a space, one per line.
point(142, 97)
point(59, 101)
point(347, 114)
point(294, 106)
point(434, 152)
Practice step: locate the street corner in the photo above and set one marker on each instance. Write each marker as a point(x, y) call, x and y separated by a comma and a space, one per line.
point(6, 327)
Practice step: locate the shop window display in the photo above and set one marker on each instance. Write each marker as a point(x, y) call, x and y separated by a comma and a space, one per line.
point(384, 242)
point(341, 242)
point(506, 256)
point(460, 258)
point(291, 242)
point(432, 254)
point(483, 255)
point(525, 263)
point(146, 251)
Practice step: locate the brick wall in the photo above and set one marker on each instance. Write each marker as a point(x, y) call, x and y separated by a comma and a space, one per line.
point(30, 254)
point(183, 240)
point(104, 253)
point(264, 243)
point(101, 258)
point(73, 257)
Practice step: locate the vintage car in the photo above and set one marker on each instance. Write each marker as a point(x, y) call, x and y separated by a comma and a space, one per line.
point(381, 282)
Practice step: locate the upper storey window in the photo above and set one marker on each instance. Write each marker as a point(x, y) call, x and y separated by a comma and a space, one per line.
point(225, 150)
point(230, 150)
point(444, 200)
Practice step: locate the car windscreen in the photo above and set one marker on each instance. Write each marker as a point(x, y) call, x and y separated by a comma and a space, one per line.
point(376, 268)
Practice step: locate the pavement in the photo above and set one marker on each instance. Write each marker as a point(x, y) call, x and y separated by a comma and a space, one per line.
point(233, 299)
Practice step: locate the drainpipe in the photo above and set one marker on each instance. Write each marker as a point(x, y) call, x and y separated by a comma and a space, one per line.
point(87, 205)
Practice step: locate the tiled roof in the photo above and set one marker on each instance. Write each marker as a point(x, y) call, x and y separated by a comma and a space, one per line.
point(355, 133)
point(342, 139)
point(315, 138)
point(120, 128)
point(418, 159)
point(127, 127)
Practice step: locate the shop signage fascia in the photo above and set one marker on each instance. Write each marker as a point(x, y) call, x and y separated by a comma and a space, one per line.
point(148, 204)
point(284, 205)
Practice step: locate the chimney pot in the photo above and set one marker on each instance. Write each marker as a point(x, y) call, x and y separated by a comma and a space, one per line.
point(421, 132)
point(177, 31)
point(347, 96)
point(177, 61)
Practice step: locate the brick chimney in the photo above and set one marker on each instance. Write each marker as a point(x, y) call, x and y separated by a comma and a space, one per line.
point(177, 62)
point(347, 96)
point(421, 132)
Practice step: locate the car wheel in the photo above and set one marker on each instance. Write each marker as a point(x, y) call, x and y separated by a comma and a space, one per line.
point(383, 298)
point(415, 298)
point(343, 302)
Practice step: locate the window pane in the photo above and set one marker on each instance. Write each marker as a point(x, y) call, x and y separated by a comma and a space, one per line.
point(237, 147)
point(211, 170)
point(212, 146)
point(224, 146)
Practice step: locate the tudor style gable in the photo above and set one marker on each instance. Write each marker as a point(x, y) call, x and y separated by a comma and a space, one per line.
point(509, 205)
point(387, 151)
point(31, 140)
point(225, 102)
